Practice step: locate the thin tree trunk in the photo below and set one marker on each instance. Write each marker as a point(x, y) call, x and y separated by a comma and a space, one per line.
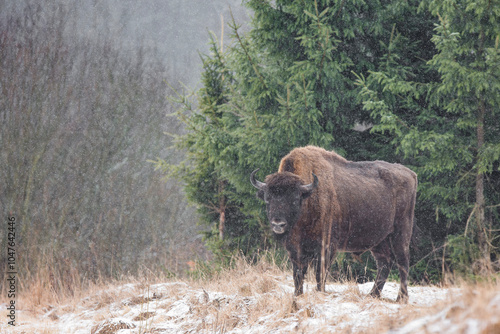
point(222, 210)
point(480, 203)
point(222, 222)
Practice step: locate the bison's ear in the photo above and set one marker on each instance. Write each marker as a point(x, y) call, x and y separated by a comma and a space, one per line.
point(308, 189)
point(306, 194)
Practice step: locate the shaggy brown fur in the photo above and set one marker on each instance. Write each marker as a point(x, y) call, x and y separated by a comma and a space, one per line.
point(357, 206)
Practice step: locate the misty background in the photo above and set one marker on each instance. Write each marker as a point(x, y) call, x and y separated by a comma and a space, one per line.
point(84, 105)
point(174, 31)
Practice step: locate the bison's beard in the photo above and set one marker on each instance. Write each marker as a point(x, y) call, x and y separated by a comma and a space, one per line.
point(281, 237)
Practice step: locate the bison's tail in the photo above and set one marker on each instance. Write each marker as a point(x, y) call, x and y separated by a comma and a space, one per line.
point(416, 236)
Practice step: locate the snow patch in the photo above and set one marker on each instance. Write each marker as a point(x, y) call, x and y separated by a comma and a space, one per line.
point(176, 307)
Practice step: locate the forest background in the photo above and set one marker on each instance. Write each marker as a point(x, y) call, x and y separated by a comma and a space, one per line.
point(84, 115)
point(413, 82)
point(83, 106)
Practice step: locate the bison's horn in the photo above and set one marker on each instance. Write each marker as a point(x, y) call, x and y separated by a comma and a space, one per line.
point(307, 188)
point(256, 183)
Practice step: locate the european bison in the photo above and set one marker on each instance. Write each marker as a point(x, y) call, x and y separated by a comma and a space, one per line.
point(319, 203)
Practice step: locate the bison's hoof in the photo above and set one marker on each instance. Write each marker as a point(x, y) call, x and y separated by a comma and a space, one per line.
point(403, 299)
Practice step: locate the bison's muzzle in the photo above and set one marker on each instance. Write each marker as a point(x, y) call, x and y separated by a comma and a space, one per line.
point(278, 226)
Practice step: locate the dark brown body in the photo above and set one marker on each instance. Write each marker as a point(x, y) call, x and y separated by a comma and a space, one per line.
point(356, 206)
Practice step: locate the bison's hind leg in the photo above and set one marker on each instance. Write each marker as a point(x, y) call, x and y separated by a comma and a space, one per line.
point(402, 256)
point(382, 255)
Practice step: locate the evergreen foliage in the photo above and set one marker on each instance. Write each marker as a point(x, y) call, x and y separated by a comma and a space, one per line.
point(446, 123)
point(310, 72)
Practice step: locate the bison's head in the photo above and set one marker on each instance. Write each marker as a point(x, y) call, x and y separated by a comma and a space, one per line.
point(283, 194)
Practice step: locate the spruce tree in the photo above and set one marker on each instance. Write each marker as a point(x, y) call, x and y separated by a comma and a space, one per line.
point(446, 123)
point(288, 82)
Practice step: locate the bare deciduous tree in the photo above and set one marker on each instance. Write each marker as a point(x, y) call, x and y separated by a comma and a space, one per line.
point(79, 118)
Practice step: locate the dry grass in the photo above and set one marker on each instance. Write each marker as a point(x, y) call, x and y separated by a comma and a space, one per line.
point(273, 307)
point(110, 327)
point(470, 308)
point(258, 297)
point(243, 278)
point(480, 302)
point(272, 304)
point(243, 281)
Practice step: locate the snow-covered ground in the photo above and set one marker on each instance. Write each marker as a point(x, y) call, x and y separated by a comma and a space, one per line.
point(264, 307)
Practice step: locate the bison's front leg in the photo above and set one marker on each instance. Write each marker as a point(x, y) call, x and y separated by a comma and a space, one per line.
point(320, 279)
point(299, 271)
point(299, 267)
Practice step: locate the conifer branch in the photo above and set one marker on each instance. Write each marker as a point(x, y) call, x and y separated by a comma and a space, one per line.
point(235, 29)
